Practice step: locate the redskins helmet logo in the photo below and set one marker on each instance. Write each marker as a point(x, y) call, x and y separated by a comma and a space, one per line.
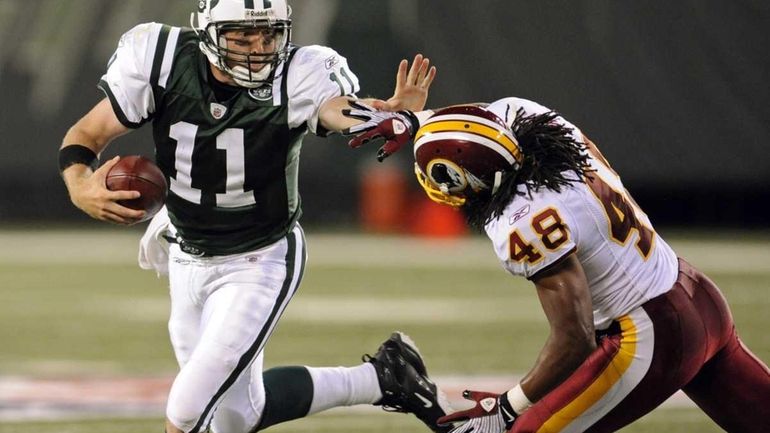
point(451, 178)
point(447, 175)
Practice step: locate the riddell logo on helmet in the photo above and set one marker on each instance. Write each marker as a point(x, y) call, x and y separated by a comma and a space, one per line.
point(251, 13)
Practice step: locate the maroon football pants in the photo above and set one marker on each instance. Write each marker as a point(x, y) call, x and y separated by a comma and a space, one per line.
point(694, 348)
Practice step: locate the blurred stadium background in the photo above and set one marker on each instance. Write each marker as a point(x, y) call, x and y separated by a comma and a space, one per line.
point(675, 94)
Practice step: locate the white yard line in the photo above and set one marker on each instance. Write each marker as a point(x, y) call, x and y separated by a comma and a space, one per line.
point(335, 309)
point(740, 254)
point(329, 309)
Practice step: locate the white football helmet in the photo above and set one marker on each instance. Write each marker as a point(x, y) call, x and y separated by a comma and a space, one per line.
point(214, 17)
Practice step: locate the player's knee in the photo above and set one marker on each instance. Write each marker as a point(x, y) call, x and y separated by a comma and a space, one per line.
point(194, 388)
point(171, 428)
point(231, 420)
point(183, 416)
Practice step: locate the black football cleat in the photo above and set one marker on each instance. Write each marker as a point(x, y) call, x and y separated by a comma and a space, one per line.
point(405, 384)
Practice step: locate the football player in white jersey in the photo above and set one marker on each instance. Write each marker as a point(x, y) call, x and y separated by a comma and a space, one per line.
point(230, 100)
point(630, 322)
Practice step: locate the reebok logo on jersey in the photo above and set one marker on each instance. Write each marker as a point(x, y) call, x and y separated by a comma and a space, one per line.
point(331, 62)
point(427, 403)
point(519, 214)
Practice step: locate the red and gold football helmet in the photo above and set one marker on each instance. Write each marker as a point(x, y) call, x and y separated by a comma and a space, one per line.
point(461, 149)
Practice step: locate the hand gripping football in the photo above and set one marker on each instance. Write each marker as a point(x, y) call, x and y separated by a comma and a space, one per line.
point(137, 173)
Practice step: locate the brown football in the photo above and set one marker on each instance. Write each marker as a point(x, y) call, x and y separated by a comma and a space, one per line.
point(137, 173)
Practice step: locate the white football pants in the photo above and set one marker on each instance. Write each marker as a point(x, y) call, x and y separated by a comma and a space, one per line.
point(223, 310)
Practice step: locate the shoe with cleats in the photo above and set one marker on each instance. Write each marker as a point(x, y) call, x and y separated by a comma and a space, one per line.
point(405, 384)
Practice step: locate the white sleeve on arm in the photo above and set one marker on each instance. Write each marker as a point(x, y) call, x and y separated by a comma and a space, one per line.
point(316, 75)
point(127, 81)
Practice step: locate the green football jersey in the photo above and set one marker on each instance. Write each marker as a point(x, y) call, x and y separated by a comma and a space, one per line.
point(231, 164)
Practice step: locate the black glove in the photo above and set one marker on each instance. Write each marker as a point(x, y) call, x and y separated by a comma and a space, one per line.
point(395, 127)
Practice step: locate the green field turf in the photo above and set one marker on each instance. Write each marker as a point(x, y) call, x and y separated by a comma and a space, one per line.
point(75, 304)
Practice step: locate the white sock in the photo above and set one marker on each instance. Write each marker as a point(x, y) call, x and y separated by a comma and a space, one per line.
point(343, 386)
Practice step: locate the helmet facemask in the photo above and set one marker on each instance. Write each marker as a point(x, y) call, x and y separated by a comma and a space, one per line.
point(448, 184)
point(247, 68)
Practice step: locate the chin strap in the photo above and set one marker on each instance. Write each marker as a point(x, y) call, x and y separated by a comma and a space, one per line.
point(241, 76)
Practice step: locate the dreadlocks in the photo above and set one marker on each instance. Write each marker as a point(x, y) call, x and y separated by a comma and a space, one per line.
point(550, 154)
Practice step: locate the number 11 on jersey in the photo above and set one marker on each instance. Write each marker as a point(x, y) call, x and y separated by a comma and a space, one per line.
point(232, 142)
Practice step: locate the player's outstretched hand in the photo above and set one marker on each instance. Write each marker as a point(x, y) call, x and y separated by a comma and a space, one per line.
point(487, 416)
point(90, 194)
point(412, 87)
point(396, 128)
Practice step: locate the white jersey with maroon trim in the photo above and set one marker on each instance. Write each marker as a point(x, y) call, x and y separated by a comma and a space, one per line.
point(625, 261)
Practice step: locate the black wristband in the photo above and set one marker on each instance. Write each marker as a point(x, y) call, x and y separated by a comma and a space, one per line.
point(77, 154)
point(413, 120)
point(509, 415)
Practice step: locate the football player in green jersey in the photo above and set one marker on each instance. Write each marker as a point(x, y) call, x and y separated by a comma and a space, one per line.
point(230, 100)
